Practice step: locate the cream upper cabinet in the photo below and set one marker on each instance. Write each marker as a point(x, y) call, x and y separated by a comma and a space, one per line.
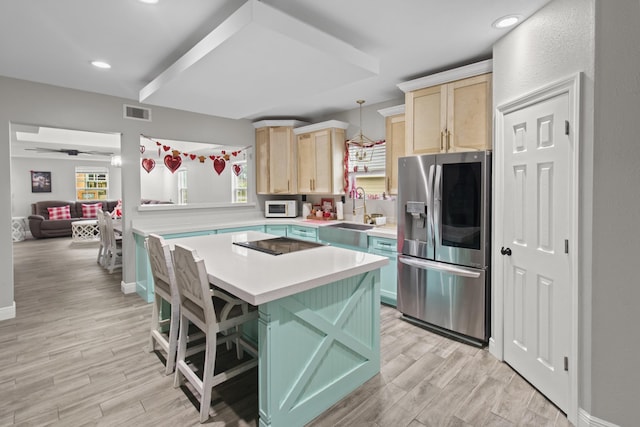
point(426, 120)
point(449, 111)
point(276, 162)
point(320, 154)
point(262, 160)
point(469, 114)
point(395, 144)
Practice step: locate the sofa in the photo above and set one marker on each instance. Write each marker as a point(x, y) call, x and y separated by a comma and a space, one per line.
point(41, 226)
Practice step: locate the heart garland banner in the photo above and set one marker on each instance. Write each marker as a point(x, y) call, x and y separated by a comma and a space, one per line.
point(173, 161)
point(148, 164)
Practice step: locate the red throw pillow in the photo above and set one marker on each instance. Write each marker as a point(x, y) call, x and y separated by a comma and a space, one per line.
point(91, 210)
point(59, 212)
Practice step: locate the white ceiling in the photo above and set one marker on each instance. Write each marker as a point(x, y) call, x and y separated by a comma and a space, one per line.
point(54, 41)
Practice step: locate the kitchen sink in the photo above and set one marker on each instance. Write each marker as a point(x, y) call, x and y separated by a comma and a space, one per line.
point(345, 233)
point(351, 226)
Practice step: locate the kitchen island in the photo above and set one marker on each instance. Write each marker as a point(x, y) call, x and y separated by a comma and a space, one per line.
point(319, 324)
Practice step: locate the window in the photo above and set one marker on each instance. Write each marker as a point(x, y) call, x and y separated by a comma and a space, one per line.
point(182, 186)
point(92, 183)
point(239, 182)
point(367, 167)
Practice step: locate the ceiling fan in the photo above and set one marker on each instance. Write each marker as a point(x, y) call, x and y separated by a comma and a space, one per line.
point(69, 151)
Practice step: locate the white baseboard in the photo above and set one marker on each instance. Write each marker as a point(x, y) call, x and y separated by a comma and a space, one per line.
point(128, 288)
point(587, 420)
point(8, 312)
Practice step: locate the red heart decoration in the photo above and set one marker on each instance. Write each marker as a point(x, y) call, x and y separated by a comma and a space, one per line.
point(172, 163)
point(166, 148)
point(218, 165)
point(185, 154)
point(148, 164)
point(212, 157)
point(192, 156)
point(237, 169)
point(235, 153)
point(142, 148)
point(224, 152)
point(158, 144)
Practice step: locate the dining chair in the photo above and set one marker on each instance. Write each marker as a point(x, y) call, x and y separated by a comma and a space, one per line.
point(102, 231)
point(113, 257)
point(165, 289)
point(213, 313)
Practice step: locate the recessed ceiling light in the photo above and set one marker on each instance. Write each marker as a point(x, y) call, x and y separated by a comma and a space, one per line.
point(506, 21)
point(149, 1)
point(101, 64)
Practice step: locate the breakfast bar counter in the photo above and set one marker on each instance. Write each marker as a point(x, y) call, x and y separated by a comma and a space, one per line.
point(319, 322)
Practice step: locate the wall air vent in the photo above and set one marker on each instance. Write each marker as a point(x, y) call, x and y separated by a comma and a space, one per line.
point(137, 113)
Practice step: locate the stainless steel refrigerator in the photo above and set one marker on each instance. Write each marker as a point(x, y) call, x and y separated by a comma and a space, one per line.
point(444, 204)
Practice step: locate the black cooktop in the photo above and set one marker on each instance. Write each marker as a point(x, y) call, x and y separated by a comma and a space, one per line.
point(279, 245)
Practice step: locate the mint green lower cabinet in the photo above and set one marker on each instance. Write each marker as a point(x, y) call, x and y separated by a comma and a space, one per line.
point(278, 230)
point(144, 281)
point(303, 233)
point(316, 347)
point(237, 229)
point(388, 273)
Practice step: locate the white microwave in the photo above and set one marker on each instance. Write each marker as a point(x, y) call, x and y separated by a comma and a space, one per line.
point(280, 208)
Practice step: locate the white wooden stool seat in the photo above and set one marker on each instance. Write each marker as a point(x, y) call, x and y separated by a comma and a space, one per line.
point(214, 313)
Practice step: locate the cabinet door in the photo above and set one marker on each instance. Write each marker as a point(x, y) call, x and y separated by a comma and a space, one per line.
point(426, 120)
point(469, 114)
point(395, 140)
point(262, 160)
point(323, 162)
point(281, 162)
point(306, 163)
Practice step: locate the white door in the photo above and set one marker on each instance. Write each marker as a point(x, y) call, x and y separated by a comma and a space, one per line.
point(537, 274)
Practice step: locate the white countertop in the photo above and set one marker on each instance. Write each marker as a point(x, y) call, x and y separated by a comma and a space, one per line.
point(388, 230)
point(258, 278)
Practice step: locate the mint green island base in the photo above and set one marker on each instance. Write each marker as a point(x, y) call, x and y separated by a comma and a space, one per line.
point(316, 347)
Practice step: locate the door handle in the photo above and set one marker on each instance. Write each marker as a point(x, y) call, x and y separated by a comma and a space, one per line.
point(505, 251)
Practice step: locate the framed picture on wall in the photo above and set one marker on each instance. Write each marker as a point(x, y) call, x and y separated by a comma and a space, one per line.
point(40, 182)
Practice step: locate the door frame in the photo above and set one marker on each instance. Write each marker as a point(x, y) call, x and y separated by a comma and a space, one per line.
point(570, 86)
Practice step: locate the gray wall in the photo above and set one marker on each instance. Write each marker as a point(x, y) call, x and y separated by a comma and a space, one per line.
point(616, 207)
point(601, 40)
point(63, 179)
point(38, 104)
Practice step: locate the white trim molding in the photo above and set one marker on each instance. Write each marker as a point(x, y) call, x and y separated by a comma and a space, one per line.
point(459, 73)
point(571, 86)
point(585, 419)
point(8, 312)
point(128, 288)
point(278, 123)
point(329, 124)
point(392, 111)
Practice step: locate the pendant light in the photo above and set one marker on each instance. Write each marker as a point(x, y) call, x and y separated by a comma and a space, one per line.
point(362, 141)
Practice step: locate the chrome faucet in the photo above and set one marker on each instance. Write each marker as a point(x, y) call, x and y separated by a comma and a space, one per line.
point(360, 192)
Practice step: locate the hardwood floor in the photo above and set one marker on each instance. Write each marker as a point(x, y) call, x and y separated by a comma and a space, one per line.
point(75, 355)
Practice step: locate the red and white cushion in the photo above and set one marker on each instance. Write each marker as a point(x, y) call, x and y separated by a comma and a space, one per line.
point(91, 210)
point(117, 211)
point(59, 212)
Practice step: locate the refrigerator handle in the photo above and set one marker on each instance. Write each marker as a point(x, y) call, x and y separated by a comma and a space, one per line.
point(430, 204)
point(437, 207)
point(439, 266)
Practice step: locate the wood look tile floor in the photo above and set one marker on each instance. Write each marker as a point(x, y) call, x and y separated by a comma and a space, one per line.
point(75, 356)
